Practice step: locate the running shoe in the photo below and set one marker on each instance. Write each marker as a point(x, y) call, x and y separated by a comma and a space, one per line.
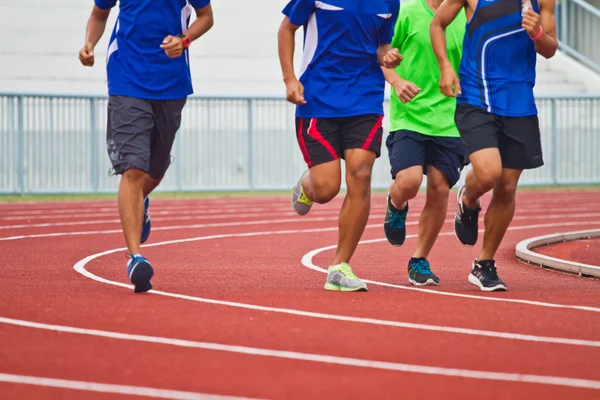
point(147, 223)
point(466, 221)
point(394, 224)
point(300, 203)
point(419, 273)
point(484, 276)
point(340, 278)
point(140, 272)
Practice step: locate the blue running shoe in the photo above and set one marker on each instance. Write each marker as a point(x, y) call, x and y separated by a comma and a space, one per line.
point(140, 272)
point(419, 273)
point(147, 224)
point(394, 224)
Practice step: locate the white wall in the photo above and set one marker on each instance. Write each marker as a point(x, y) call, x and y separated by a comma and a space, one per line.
point(238, 56)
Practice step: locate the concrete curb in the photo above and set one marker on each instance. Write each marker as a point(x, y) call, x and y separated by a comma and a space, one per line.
point(524, 253)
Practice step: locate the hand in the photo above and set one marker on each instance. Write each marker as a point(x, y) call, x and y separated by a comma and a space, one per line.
point(86, 55)
point(406, 90)
point(295, 92)
point(173, 46)
point(531, 22)
point(449, 83)
point(392, 59)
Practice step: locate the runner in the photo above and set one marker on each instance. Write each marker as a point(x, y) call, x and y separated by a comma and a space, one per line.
point(496, 112)
point(339, 99)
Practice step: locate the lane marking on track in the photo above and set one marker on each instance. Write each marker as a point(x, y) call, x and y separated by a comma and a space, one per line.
point(261, 222)
point(80, 268)
point(321, 213)
point(318, 358)
point(110, 388)
point(308, 257)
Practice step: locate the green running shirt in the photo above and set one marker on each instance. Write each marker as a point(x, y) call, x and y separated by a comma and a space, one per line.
point(430, 112)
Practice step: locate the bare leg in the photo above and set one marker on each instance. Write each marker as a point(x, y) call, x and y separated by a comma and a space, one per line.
point(500, 212)
point(322, 182)
point(487, 168)
point(131, 207)
point(357, 204)
point(406, 186)
point(433, 215)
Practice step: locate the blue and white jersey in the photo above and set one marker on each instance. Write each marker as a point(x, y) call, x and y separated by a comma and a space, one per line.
point(497, 71)
point(136, 65)
point(340, 70)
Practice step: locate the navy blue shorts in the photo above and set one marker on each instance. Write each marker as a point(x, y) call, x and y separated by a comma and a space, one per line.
point(409, 149)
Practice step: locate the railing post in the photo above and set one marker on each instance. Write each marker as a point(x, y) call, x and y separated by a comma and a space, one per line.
point(554, 143)
point(93, 146)
point(20, 146)
point(250, 154)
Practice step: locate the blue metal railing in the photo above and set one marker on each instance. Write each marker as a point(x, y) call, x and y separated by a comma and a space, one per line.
point(56, 144)
point(578, 29)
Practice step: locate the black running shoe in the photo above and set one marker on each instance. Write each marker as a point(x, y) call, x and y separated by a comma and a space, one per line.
point(419, 273)
point(394, 225)
point(484, 276)
point(466, 222)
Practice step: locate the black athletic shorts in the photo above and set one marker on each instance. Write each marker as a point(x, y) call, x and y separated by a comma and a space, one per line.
point(409, 149)
point(517, 138)
point(140, 133)
point(322, 140)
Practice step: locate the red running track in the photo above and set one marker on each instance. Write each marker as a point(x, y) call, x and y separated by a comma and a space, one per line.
point(239, 310)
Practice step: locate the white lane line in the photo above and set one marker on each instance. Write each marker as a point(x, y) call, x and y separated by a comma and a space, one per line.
point(307, 261)
point(319, 358)
point(231, 213)
point(80, 267)
point(321, 213)
point(262, 222)
point(110, 388)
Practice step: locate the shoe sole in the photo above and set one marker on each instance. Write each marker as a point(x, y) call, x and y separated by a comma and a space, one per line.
point(430, 282)
point(337, 288)
point(498, 288)
point(140, 276)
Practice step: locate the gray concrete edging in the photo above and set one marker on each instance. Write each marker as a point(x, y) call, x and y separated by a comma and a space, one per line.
point(524, 253)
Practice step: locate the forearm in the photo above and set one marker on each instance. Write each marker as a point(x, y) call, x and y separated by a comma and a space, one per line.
point(94, 30)
point(200, 26)
point(546, 45)
point(391, 76)
point(438, 41)
point(382, 51)
point(287, 43)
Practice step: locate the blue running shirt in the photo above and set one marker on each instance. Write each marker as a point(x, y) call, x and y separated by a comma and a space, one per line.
point(497, 72)
point(340, 70)
point(136, 65)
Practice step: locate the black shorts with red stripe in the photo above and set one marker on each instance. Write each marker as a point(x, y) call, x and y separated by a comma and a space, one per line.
point(323, 140)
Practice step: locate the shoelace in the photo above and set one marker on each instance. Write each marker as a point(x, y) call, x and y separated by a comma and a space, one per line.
point(492, 272)
point(422, 267)
point(347, 271)
point(397, 220)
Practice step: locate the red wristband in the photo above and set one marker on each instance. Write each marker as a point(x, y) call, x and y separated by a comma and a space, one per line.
point(539, 34)
point(187, 41)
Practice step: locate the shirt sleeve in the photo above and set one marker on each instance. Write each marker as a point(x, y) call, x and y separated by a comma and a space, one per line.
point(197, 4)
point(400, 32)
point(386, 32)
point(105, 4)
point(299, 11)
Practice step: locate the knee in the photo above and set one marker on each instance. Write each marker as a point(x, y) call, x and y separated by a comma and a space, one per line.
point(134, 176)
point(439, 192)
point(359, 180)
point(324, 191)
point(505, 191)
point(406, 187)
point(488, 178)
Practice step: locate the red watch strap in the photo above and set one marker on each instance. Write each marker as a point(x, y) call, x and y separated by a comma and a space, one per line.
point(539, 34)
point(187, 41)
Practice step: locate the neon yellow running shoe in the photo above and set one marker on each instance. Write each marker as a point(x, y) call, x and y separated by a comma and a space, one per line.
point(340, 278)
point(300, 203)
